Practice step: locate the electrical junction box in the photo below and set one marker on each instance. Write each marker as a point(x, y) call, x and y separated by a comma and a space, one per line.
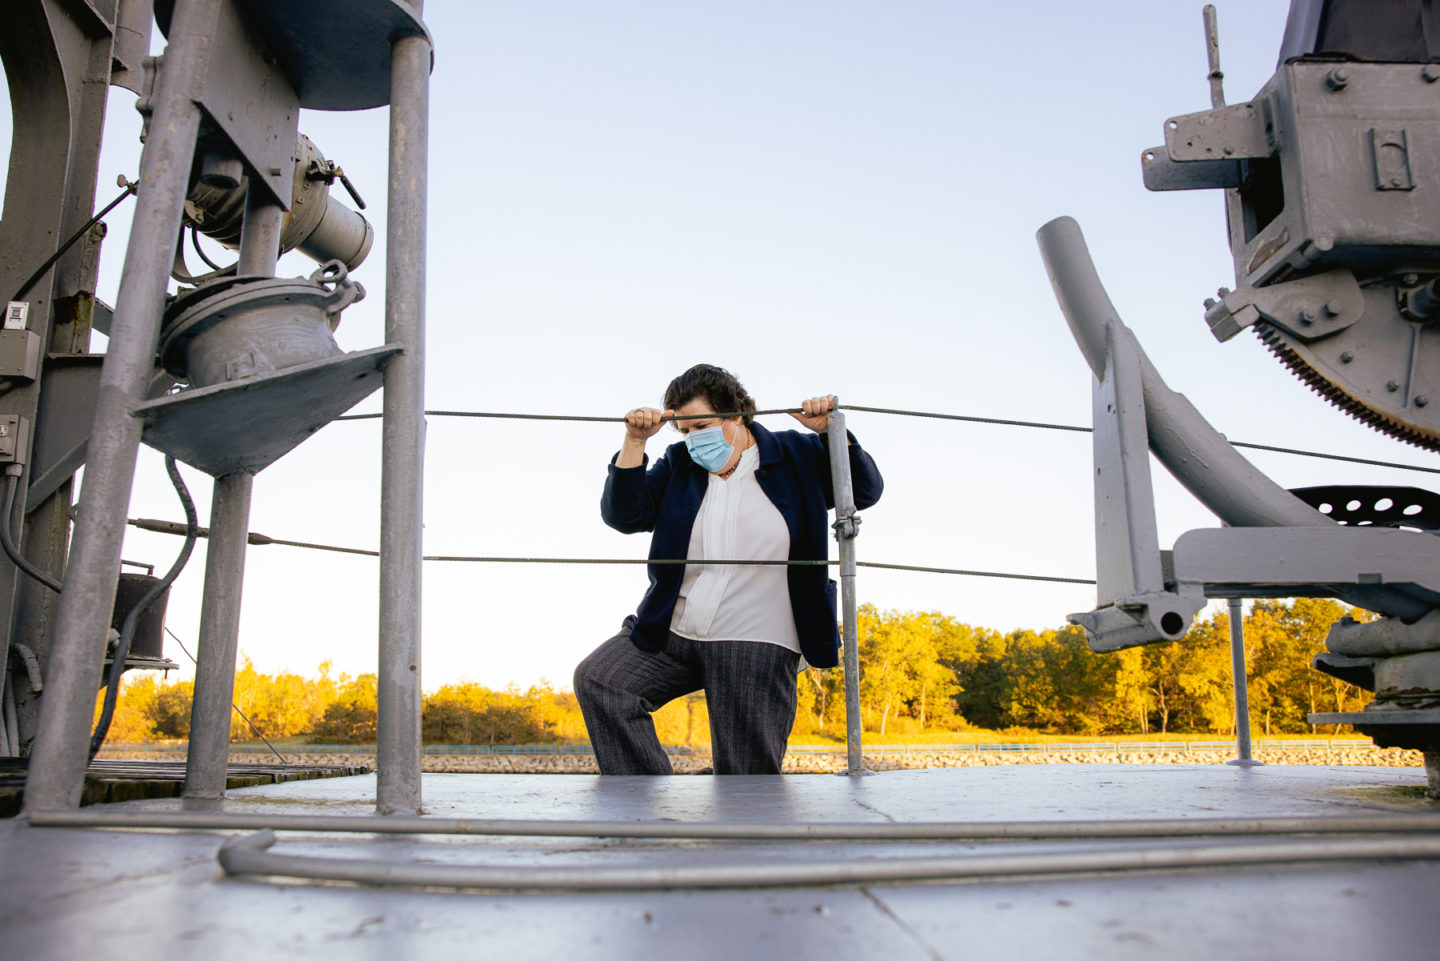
point(17, 314)
point(14, 438)
point(19, 354)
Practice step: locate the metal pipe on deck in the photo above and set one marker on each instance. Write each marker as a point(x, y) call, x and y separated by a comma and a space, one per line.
point(248, 856)
point(403, 433)
point(1395, 823)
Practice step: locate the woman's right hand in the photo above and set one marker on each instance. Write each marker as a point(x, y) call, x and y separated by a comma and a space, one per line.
point(643, 422)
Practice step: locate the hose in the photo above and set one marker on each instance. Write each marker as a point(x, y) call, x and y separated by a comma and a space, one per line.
point(127, 630)
point(248, 856)
point(7, 536)
point(32, 666)
point(11, 726)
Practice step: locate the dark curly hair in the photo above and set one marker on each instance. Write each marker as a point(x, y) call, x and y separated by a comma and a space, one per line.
point(724, 393)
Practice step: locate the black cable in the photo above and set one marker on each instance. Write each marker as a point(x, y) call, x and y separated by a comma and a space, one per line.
point(130, 188)
point(168, 527)
point(969, 419)
point(7, 537)
point(997, 421)
point(1341, 457)
point(235, 706)
point(195, 243)
point(127, 629)
point(577, 418)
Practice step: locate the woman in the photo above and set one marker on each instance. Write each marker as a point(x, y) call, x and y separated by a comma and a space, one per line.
point(731, 490)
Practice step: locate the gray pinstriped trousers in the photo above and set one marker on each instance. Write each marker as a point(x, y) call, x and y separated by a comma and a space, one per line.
point(749, 691)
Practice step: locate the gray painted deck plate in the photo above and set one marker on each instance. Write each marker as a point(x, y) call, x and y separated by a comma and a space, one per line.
point(111, 894)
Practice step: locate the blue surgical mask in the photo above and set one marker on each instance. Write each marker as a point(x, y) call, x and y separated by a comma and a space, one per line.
point(709, 448)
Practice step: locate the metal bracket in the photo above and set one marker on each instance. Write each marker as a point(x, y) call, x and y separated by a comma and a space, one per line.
point(252, 102)
point(1236, 132)
point(1134, 605)
point(1309, 561)
point(1308, 309)
point(1202, 150)
point(847, 527)
point(1160, 172)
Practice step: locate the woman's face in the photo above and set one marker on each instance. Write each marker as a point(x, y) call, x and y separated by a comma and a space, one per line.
point(702, 406)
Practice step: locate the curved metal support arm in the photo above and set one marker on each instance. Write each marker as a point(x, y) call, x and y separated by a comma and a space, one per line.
point(1197, 454)
point(1199, 457)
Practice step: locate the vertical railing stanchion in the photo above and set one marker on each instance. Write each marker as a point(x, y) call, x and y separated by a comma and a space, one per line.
point(1241, 678)
point(403, 432)
point(846, 524)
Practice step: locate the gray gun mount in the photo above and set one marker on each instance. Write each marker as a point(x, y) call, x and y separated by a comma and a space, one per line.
point(1332, 183)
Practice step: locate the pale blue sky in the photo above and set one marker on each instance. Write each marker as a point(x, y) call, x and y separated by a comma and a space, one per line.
point(830, 196)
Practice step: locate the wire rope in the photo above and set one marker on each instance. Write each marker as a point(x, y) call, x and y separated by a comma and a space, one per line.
point(170, 527)
point(233, 705)
point(898, 412)
point(34, 278)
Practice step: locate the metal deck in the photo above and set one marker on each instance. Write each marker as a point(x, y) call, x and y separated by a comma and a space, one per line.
point(103, 894)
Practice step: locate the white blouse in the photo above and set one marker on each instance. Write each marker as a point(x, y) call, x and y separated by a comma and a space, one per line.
point(731, 602)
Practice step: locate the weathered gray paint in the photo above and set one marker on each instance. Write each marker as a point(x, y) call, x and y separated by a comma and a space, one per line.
point(846, 527)
point(403, 432)
point(58, 762)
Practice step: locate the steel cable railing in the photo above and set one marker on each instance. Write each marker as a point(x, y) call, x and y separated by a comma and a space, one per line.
point(172, 527)
point(248, 855)
point(900, 412)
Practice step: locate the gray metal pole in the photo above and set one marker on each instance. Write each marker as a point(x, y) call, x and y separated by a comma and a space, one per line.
point(845, 531)
point(208, 752)
point(1240, 675)
point(1212, 56)
point(403, 433)
point(57, 770)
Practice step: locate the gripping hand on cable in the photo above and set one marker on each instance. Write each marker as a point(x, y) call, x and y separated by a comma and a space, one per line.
point(641, 424)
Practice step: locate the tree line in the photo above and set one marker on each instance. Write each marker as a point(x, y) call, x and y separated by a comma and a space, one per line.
point(919, 672)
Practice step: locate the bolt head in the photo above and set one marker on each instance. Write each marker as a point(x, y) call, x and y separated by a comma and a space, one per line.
point(1346, 357)
point(1307, 316)
point(1337, 79)
point(1333, 308)
point(1392, 386)
point(1222, 292)
point(1421, 400)
point(1430, 72)
point(1210, 302)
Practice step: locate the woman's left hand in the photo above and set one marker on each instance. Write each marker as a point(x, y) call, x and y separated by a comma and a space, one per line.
point(815, 410)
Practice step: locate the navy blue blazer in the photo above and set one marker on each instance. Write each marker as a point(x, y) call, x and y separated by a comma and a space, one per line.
point(794, 472)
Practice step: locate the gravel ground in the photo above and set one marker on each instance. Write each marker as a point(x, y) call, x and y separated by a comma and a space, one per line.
point(831, 763)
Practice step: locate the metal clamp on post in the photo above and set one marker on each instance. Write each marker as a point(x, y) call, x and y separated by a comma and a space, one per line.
point(847, 528)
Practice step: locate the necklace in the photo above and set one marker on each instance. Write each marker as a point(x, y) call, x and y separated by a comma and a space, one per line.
point(749, 442)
